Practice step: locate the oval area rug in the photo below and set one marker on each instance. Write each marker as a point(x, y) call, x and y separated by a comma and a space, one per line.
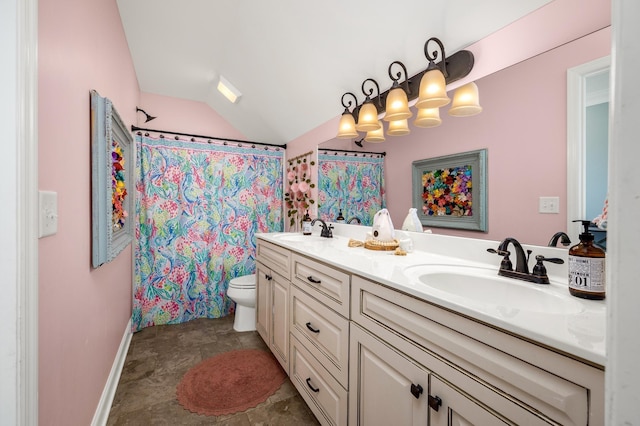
point(231, 382)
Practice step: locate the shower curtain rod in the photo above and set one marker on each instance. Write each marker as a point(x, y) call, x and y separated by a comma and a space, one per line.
point(355, 152)
point(136, 128)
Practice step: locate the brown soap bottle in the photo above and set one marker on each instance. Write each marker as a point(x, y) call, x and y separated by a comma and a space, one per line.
point(587, 267)
point(306, 224)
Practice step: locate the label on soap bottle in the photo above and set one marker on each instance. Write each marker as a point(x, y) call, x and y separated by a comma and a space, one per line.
point(587, 273)
point(306, 227)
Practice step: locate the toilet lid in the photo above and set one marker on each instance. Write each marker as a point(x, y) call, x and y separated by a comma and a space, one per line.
point(246, 281)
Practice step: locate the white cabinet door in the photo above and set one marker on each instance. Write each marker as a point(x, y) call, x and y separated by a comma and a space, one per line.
point(451, 408)
point(263, 301)
point(387, 388)
point(279, 331)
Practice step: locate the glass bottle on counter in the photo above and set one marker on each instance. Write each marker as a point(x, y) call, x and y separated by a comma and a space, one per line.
point(587, 267)
point(306, 224)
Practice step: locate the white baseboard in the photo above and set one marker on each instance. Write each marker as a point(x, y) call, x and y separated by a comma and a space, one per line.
point(104, 406)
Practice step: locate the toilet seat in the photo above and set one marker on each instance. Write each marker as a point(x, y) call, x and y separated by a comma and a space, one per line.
point(246, 281)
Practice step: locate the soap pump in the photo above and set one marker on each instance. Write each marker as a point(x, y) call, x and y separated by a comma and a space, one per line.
point(587, 267)
point(306, 224)
point(340, 218)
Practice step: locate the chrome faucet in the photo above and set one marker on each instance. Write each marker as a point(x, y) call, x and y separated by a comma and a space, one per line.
point(564, 239)
point(356, 219)
point(326, 231)
point(539, 273)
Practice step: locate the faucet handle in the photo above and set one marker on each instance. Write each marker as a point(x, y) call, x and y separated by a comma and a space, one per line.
point(330, 231)
point(539, 269)
point(506, 264)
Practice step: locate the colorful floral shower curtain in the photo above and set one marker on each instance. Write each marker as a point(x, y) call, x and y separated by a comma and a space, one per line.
point(198, 209)
point(353, 184)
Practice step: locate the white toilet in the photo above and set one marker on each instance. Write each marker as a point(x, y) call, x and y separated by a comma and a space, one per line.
point(242, 290)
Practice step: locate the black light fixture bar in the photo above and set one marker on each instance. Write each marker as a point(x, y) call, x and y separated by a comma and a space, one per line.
point(457, 66)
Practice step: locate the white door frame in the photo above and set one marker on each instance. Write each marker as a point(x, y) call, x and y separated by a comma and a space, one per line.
point(576, 140)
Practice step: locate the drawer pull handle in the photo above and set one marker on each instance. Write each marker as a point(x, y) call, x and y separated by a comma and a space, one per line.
point(310, 327)
point(313, 280)
point(435, 402)
point(316, 390)
point(268, 277)
point(416, 390)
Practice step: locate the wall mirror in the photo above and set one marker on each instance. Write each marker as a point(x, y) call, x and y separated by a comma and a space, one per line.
point(523, 126)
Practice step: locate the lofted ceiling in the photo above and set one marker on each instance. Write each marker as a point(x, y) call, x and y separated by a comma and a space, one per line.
point(292, 59)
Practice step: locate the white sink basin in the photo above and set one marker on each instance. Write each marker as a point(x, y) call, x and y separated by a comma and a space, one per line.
point(484, 288)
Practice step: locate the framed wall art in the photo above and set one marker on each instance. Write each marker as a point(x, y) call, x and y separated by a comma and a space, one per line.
point(451, 191)
point(111, 182)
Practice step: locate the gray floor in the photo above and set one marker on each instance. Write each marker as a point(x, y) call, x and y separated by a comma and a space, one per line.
point(159, 356)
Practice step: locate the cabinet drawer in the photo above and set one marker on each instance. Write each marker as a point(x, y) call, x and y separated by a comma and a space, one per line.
point(323, 282)
point(322, 331)
point(323, 394)
point(276, 258)
point(459, 348)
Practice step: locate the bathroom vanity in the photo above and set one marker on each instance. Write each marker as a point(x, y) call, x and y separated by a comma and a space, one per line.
point(434, 337)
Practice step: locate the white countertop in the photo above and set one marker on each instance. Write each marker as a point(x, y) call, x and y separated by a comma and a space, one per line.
point(578, 330)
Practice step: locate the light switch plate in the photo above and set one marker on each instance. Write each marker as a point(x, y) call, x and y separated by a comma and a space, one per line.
point(549, 205)
point(48, 216)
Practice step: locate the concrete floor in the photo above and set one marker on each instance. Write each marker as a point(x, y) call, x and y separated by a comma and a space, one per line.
point(159, 356)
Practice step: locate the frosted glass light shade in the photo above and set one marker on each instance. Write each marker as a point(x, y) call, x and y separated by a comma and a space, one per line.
point(368, 118)
point(397, 105)
point(433, 90)
point(347, 127)
point(375, 136)
point(398, 128)
point(466, 101)
point(428, 117)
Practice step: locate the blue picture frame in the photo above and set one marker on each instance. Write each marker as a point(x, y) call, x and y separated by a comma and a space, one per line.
point(112, 159)
point(444, 200)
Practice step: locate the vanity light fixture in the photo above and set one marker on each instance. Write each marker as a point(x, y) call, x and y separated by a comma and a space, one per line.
point(228, 90)
point(431, 95)
point(466, 101)
point(397, 105)
point(347, 126)
point(368, 115)
point(375, 136)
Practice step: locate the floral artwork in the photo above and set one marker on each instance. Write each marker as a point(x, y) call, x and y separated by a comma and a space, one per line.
point(451, 191)
point(298, 198)
point(447, 192)
point(199, 207)
point(118, 186)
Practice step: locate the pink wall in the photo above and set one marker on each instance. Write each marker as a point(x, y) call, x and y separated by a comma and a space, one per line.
point(180, 115)
point(82, 312)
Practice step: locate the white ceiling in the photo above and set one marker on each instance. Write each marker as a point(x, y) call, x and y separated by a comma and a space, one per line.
point(293, 59)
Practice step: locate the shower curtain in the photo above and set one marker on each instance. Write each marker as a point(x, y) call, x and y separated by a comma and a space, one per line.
point(353, 184)
point(198, 208)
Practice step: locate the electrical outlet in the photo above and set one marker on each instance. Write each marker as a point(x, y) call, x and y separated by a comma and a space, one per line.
point(549, 205)
point(48, 220)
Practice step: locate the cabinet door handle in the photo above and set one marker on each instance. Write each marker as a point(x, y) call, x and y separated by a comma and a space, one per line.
point(435, 402)
point(316, 390)
point(313, 280)
point(416, 390)
point(310, 327)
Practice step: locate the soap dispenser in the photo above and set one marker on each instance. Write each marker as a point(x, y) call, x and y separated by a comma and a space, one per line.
point(340, 218)
point(306, 224)
point(587, 267)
